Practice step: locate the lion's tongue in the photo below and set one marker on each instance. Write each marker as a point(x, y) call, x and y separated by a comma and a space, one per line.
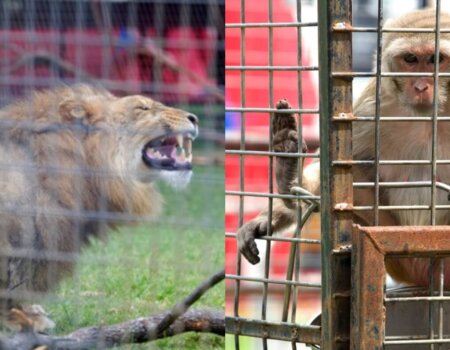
point(167, 150)
point(162, 154)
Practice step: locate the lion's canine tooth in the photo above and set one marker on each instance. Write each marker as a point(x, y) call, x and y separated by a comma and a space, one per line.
point(180, 151)
point(187, 145)
point(179, 138)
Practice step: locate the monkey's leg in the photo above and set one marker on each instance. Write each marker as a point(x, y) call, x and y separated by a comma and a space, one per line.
point(285, 139)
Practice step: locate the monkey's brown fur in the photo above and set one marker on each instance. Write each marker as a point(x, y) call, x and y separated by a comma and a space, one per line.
point(70, 165)
point(398, 141)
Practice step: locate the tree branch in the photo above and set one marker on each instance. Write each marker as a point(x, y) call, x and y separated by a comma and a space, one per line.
point(141, 330)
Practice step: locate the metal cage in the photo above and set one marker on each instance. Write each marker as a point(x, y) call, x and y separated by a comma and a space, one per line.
point(171, 51)
point(358, 311)
point(266, 61)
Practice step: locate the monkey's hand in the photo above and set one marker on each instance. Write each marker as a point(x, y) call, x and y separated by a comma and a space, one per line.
point(246, 238)
point(285, 139)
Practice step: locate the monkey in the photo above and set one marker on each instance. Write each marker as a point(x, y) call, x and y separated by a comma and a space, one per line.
point(399, 140)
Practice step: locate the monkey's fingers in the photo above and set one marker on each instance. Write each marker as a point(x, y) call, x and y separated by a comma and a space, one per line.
point(286, 141)
point(246, 239)
point(282, 121)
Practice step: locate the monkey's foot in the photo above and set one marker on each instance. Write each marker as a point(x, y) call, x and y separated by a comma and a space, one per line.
point(284, 128)
point(30, 318)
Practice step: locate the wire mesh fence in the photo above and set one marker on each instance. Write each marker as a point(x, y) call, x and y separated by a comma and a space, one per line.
point(89, 145)
point(376, 182)
point(366, 177)
point(271, 304)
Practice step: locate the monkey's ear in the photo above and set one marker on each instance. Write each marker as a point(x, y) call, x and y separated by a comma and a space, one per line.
point(71, 110)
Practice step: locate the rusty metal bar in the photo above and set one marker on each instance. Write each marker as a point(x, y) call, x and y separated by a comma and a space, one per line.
point(367, 328)
point(336, 181)
point(281, 331)
point(371, 245)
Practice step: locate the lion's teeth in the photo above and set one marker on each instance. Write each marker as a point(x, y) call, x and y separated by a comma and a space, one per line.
point(179, 138)
point(187, 145)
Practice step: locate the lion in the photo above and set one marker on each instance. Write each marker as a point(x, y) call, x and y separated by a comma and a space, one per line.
point(75, 162)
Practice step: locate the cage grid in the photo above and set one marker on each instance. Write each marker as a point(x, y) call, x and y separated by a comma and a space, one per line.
point(245, 147)
point(171, 51)
point(380, 318)
point(358, 311)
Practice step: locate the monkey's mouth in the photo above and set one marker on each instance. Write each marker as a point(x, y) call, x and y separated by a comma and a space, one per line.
point(170, 152)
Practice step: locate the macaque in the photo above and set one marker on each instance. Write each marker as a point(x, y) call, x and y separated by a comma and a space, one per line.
point(399, 140)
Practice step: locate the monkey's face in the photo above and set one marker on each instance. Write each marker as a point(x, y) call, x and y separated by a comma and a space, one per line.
point(418, 92)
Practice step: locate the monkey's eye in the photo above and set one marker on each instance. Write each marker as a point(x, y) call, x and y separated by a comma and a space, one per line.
point(432, 58)
point(410, 58)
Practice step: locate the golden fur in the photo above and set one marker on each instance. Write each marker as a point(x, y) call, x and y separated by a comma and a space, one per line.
point(71, 167)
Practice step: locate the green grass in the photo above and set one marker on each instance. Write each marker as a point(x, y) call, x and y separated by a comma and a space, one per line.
point(146, 269)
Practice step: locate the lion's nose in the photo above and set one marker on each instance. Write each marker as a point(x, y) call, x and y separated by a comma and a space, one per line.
point(193, 119)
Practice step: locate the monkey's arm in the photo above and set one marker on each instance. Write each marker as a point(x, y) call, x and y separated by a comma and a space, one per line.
point(283, 214)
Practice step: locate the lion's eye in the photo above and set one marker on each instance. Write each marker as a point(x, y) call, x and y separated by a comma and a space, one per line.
point(144, 108)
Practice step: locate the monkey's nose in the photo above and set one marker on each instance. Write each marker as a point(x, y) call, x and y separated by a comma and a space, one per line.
point(193, 119)
point(421, 86)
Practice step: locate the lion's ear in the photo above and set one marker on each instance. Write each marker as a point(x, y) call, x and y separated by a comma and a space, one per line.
point(71, 110)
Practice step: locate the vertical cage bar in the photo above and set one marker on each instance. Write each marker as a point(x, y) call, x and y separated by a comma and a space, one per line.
point(241, 170)
point(270, 200)
point(336, 181)
point(294, 253)
point(432, 309)
point(377, 114)
point(435, 114)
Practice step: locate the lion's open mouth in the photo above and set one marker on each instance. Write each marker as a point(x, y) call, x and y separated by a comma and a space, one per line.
point(170, 152)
